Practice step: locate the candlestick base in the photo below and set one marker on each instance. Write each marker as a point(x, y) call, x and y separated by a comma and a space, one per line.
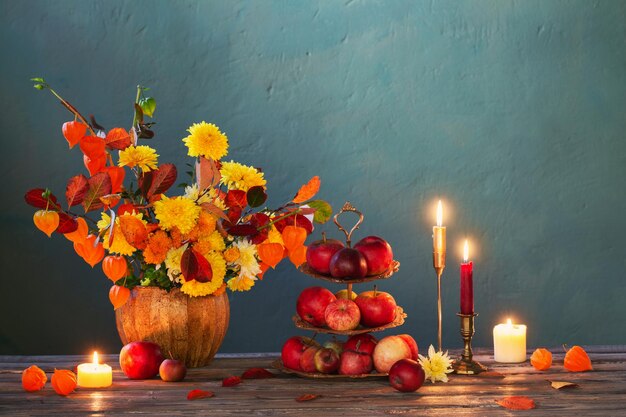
point(465, 365)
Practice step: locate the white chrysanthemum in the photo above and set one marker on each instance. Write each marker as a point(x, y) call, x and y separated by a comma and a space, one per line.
point(436, 366)
point(172, 263)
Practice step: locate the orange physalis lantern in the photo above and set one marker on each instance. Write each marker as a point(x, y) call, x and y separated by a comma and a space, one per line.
point(94, 165)
point(293, 237)
point(271, 253)
point(73, 132)
point(63, 381)
point(298, 256)
point(80, 234)
point(541, 359)
point(114, 267)
point(89, 250)
point(33, 378)
point(47, 221)
point(577, 360)
point(118, 296)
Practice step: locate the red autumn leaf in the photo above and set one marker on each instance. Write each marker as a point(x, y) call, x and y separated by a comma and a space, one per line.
point(490, 374)
point(94, 165)
point(259, 220)
point(307, 397)
point(299, 221)
point(207, 174)
point(117, 175)
point(236, 199)
point(35, 198)
point(134, 231)
point(231, 381)
point(158, 181)
point(67, 224)
point(518, 402)
point(196, 394)
point(99, 185)
point(234, 214)
point(195, 266)
point(117, 138)
point(257, 373)
point(76, 189)
point(256, 196)
point(92, 147)
point(245, 229)
point(308, 190)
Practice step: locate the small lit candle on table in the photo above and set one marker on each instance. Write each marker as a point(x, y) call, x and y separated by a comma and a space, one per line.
point(94, 375)
point(467, 285)
point(509, 342)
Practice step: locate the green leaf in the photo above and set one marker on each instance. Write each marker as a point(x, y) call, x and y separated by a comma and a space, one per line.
point(323, 210)
point(38, 80)
point(148, 105)
point(256, 196)
point(39, 86)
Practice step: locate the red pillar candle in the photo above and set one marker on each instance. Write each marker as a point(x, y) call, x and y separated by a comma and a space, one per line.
point(467, 285)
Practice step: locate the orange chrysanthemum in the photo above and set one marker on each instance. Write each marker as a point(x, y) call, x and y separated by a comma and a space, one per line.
point(177, 237)
point(206, 223)
point(231, 254)
point(159, 244)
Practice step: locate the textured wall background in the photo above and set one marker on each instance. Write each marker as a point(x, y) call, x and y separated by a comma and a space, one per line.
point(512, 112)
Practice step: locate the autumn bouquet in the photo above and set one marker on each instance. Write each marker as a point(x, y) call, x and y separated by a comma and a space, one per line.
point(213, 236)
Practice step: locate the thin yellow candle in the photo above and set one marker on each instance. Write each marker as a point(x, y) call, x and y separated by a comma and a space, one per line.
point(439, 232)
point(509, 342)
point(94, 375)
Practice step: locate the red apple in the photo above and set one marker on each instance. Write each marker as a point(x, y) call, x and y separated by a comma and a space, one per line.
point(377, 253)
point(348, 263)
point(172, 370)
point(364, 343)
point(293, 349)
point(406, 375)
point(318, 253)
point(307, 359)
point(388, 351)
point(377, 308)
point(412, 345)
point(326, 361)
point(335, 345)
point(355, 363)
point(312, 303)
point(342, 315)
point(141, 360)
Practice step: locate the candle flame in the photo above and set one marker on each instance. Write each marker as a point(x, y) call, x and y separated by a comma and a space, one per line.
point(439, 214)
point(509, 322)
point(95, 358)
point(465, 251)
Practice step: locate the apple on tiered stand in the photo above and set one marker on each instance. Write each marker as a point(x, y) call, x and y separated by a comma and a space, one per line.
point(346, 313)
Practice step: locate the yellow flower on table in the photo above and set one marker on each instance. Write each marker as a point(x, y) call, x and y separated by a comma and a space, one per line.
point(177, 212)
point(218, 267)
point(237, 176)
point(436, 366)
point(205, 139)
point(141, 156)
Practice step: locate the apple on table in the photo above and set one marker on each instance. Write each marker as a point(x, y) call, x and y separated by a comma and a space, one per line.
point(141, 360)
point(406, 375)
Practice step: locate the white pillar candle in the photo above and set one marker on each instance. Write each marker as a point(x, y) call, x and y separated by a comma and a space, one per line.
point(94, 375)
point(509, 342)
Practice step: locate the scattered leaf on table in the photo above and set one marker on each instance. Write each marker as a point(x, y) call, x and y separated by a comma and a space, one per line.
point(308, 190)
point(257, 373)
point(562, 384)
point(520, 402)
point(307, 397)
point(196, 394)
point(231, 381)
point(491, 374)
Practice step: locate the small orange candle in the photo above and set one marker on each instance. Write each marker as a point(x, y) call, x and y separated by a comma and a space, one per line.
point(94, 374)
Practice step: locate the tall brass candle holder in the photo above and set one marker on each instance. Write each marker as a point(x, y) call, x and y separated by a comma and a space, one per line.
point(439, 263)
point(465, 365)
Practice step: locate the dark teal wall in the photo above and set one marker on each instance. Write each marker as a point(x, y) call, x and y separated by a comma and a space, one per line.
point(512, 112)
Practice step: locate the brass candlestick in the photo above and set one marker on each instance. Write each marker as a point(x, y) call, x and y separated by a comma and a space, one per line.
point(439, 263)
point(465, 365)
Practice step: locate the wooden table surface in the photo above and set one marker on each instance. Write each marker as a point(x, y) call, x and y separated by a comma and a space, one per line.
point(601, 392)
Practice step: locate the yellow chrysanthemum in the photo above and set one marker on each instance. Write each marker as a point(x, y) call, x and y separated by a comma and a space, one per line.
point(172, 263)
point(141, 156)
point(212, 242)
point(206, 223)
point(237, 176)
point(436, 366)
point(247, 262)
point(120, 245)
point(198, 289)
point(205, 139)
point(231, 254)
point(177, 212)
point(159, 244)
point(241, 283)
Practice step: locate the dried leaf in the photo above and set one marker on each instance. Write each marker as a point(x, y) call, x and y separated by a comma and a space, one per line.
point(491, 374)
point(197, 394)
point(307, 397)
point(117, 138)
point(257, 373)
point(134, 231)
point(308, 190)
point(207, 174)
point(562, 384)
point(99, 185)
point(231, 381)
point(518, 402)
point(76, 189)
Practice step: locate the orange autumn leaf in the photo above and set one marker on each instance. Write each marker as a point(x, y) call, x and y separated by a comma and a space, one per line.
point(134, 231)
point(308, 190)
point(270, 253)
point(114, 267)
point(118, 296)
point(197, 394)
point(541, 359)
point(577, 360)
point(293, 237)
point(298, 256)
point(33, 378)
point(562, 384)
point(63, 381)
point(117, 138)
point(519, 402)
